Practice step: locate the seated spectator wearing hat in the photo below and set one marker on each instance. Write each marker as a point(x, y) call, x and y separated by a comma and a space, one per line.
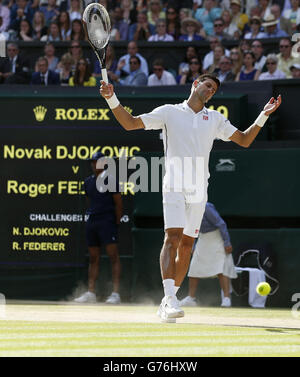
point(284, 23)
point(224, 73)
point(271, 29)
point(273, 73)
point(285, 57)
point(219, 26)
point(44, 76)
point(207, 14)
point(293, 14)
point(255, 27)
point(190, 30)
point(295, 69)
point(161, 32)
point(238, 18)
point(248, 71)
point(160, 76)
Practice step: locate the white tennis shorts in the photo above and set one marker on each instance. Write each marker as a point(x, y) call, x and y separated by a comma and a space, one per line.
point(179, 213)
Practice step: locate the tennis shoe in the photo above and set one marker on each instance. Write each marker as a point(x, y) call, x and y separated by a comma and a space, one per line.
point(162, 314)
point(113, 299)
point(171, 308)
point(188, 301)
point(226, 302)
point(87, 297)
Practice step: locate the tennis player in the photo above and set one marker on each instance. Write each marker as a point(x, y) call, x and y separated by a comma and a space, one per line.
point(189, 129)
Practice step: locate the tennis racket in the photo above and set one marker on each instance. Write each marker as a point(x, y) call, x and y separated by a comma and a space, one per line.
point(97, 27)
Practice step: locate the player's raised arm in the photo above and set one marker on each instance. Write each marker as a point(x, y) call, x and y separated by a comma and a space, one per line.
point(246, 137)
point(126, 120)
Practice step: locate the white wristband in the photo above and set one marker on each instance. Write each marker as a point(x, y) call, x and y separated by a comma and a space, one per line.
point(113, 101)
point(261, 119)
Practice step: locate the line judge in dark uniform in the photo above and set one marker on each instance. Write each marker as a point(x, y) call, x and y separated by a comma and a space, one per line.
point(105, 212)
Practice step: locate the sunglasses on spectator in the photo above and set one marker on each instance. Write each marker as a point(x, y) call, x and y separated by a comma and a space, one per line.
point(134, 62)
point(284, 46)
point(255, 22)
point(194, 62)
point(218, 25)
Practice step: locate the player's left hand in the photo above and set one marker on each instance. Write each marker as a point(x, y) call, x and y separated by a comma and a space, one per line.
point(228, 249)
point(272, 105)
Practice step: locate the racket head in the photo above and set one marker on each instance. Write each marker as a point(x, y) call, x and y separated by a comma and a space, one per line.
point(97, 26)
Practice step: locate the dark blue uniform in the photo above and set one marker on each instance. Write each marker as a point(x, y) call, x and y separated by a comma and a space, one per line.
point(101, 227)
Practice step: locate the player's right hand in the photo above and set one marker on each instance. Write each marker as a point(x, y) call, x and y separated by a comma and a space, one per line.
point(106, 90)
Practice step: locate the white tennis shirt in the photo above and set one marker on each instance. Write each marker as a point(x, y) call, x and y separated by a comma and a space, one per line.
point(187, 134)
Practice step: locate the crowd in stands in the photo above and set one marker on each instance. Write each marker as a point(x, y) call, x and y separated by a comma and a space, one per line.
point(247, 22)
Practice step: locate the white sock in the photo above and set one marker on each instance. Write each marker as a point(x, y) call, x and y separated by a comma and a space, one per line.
point(169, 287)
point(176, 289)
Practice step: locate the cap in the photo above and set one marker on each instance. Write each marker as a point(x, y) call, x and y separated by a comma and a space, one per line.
point(96, 156)
point(297, 66)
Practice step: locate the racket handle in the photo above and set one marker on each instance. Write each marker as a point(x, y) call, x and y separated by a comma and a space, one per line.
point(104, 75)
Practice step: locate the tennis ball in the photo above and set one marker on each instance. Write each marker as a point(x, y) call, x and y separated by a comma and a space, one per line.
point(263, 289)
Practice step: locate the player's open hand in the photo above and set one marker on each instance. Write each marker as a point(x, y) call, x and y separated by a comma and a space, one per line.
point(272, 105)
point(106, 90)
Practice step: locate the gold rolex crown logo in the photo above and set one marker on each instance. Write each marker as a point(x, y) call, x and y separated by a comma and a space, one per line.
point(40, 112)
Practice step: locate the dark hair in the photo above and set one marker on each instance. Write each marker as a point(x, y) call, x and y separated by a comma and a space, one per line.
point(135, 57)
point(209, 76)
point(87, 73)
point(81, 33)
point(159, 62)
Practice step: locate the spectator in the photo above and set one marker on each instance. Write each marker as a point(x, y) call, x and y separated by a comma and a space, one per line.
point(236, 57)
point(195, 70)
point(49, 53)
point(44, 76)
point(136, 76)
point(212, 257)
point(64, 68)
point(209, 57)
point(155, 12)
point(161, 32)
point(255, 29)
point(5, 15)
point(224, 73)
point(295, 69)
point(285, 57)
point(141, 30)
point(15, 69)
point(39, 25)
point(25, 33)
point(219, 51)
point(160, 76)
point(4, 36)
point(82, 75)
point(53, 34)
point(129, 11)
point(191, 52)
point(271, 30)
point(77, 31)
point(219, 27)
point(104, 215)
point(248, 72)
point(76, 52)
point(229, 27)
point(244, 45)
point(119, 23)
point(293, 14)
point(284, 23)
point(238, 18)
point(123, 63)
point(65, 25)
point(265, 8)
point(258, 51)
point(19, 11)
point(185, 13)
point(273, 72)
point(51, 11)
point(111, 65)
point(75, 10)
point(191, 29)
point(207, 15)
point(173, 22)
